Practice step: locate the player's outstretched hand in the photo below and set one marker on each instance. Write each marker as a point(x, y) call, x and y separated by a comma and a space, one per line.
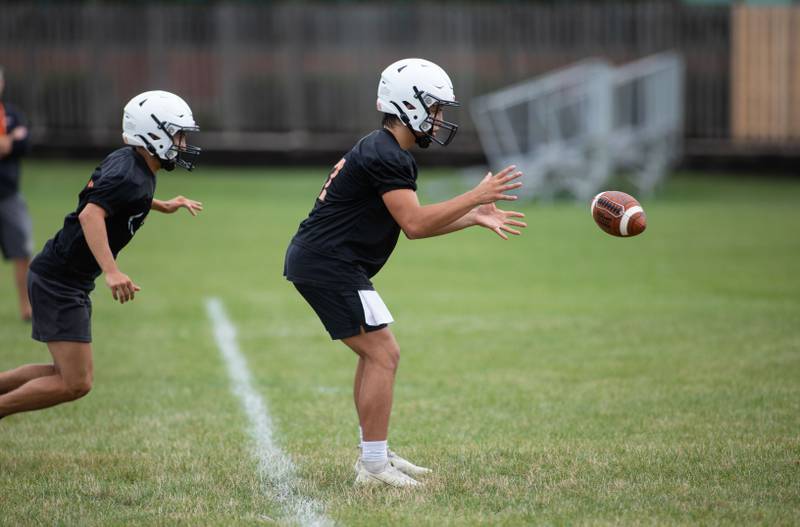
point(498, 220)
point(194, 207)
point(494, 187)
point(122, 287)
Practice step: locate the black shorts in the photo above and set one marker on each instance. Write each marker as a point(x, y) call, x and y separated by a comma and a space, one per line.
point(344, 312)
point(60, 312)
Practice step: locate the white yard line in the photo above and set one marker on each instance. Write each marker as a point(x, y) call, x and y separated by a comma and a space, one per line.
point(275, 468)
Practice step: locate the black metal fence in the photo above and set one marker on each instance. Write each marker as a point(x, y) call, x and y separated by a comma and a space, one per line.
point(303, 76)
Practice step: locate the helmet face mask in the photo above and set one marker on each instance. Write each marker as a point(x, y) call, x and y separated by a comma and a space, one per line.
point(184, 156)
point(179, 153)
point(432, 125)
point(417, 91)
point(159, 121)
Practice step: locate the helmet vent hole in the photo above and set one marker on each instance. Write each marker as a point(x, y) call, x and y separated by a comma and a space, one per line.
point(143, 101)
point(409, 106)
point(153, 136)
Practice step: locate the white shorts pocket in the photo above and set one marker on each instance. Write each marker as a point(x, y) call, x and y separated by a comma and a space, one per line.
point(375, 311)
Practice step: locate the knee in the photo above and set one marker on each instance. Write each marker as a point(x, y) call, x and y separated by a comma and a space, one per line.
point(391, 356)
point(77, 388)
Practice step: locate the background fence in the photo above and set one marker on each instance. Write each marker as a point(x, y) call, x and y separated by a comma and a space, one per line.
point(302, 76)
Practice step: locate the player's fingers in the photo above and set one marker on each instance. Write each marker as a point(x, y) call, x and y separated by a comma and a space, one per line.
point(500, 233)
point(510, 230)
point(503, 173)
point(514, 214)
point(509, 177)
point(191, 210)
point(129, 289)
point(512, 186)
point(516, 223)
point(136, 287)
point(114, 292)
point(505, 197)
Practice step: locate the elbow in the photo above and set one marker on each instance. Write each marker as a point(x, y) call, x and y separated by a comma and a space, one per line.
point(413, 232)
point(85, 216)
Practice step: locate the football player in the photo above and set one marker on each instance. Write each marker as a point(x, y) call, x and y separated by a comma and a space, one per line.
point(111, 208)
point(16, 229)
point(367, 199)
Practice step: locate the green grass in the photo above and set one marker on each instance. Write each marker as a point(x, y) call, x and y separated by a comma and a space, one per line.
point(565, 377)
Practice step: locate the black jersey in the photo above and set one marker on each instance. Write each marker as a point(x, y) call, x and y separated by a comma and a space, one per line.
point(349, 229)
point(123, 186)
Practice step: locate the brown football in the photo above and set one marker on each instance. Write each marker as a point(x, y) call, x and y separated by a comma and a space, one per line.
point(618, 214)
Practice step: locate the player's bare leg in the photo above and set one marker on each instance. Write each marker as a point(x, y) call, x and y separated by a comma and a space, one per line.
point(379, 356)
point(403, 465)
point(357, 383)
point(356, 390)
point(21, 279)
point(71, 379)
point(13, 379)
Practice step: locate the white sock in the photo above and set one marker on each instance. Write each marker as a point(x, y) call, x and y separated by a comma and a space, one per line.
point(374, 455)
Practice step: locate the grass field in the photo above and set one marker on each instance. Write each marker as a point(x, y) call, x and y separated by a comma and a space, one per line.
point(565, 377)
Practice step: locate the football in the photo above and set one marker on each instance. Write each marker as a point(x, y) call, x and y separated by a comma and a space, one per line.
point(618, 214)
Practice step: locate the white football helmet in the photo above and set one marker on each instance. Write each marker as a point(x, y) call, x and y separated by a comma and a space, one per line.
point(413, 89)
point(151, 120)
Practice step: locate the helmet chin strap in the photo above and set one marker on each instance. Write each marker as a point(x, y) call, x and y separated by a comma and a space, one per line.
point(166, 164)
point(422, 141)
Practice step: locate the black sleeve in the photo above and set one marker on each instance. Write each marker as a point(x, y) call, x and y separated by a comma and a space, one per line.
point(392, 173)
point(111, 190)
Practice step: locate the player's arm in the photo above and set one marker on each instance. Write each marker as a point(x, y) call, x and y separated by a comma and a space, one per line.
point(93, 223)
point(465, 221)
point(16, 142)
point(19, 138)
point(489, 216)
point(418, 221)
point(170, 206)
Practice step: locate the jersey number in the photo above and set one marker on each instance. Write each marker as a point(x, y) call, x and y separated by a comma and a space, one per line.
point(335, 172)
